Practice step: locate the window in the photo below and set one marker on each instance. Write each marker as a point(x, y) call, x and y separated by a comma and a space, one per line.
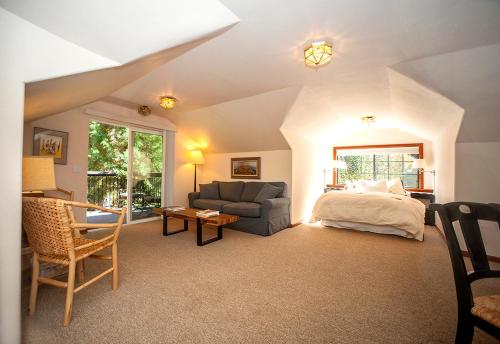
point(383, 162)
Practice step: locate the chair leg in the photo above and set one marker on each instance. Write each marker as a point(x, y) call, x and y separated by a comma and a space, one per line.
point(80, 267)
point(34, 284)
point(465, 331)
point(70, 292)
point(114, 253)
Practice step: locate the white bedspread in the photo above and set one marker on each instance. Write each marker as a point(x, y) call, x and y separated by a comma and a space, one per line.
point(376, 208)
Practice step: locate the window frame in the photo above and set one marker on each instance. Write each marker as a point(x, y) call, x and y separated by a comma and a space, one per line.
point(419, 145)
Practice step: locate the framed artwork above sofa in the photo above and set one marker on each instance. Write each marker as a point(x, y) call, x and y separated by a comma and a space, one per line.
point(245, 168)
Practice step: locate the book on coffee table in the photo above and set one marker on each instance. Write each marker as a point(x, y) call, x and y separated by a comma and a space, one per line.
point(207, 213)
point(175, 208)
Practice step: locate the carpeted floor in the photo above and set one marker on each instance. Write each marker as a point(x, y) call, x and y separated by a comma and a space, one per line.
point(303, 285)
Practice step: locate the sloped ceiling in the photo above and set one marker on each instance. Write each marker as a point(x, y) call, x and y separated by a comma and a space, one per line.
point(137, 36)
point(51, 96)
point(472, 79)
point(124, 30)
point(264, 52)
point(243, 125)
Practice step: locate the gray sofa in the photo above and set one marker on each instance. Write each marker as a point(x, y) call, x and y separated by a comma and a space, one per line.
point(237, 198)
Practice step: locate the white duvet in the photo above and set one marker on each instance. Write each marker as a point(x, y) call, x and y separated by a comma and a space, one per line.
point(374, 208)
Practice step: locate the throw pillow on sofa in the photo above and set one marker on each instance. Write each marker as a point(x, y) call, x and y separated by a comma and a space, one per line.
point(230, 191)
point(268, 191)
point(209, 191)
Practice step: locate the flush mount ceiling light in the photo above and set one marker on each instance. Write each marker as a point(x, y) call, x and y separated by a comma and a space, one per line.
point(368, 120)
point(167, 102)
point(144, 110)
point(318, 54)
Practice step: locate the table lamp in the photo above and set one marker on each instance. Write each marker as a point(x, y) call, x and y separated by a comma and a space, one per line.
point(196, 158)
point(421, 165)
point(333, 165)
point(38, 174)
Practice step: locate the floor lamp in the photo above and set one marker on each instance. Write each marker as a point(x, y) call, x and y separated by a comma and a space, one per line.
point(196, 158)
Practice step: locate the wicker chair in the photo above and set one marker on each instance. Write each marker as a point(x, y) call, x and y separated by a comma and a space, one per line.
point(54, 237)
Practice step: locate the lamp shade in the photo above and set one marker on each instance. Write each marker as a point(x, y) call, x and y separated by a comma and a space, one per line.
point(38, 173)
point(196, 157)
point(418, 163)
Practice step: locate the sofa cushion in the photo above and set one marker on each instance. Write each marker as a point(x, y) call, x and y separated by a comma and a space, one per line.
point(268, 191)
point(209, 191)
point(246, 209)
point(230, 191)
point(214, 204)
point(282, 186)
point(251, 190)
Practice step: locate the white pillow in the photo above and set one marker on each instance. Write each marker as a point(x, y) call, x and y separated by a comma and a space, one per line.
point(354, 185)
point(374, 186)
point(396, 187)
point(350, 186)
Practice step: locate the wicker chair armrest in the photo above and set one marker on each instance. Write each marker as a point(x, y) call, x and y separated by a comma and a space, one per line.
point(97, 242)
point(93, 225)
point(94, 206)
point(70, 194)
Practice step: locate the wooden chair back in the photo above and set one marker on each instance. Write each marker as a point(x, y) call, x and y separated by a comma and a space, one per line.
point(47, 226)
point(468, 215)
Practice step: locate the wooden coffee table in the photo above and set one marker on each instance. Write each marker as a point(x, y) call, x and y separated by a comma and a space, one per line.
point(189, 214)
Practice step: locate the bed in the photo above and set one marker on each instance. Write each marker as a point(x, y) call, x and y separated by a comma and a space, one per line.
point(378, 212)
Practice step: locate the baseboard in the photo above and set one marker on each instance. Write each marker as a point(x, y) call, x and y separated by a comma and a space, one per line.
point(295, 224)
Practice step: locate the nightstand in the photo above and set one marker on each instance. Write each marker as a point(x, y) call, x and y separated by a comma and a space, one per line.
point(427, 199)
point(332, 188)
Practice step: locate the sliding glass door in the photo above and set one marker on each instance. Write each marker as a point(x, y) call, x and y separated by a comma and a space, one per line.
point(146, 174)
point(125, 168)
point(107, 169)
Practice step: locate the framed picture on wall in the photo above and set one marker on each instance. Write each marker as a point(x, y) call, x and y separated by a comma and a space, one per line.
point(245, 168)
point(47, 142)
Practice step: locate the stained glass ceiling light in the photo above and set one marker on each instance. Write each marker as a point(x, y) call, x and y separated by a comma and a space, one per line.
point(318, 54)
point(167, 102)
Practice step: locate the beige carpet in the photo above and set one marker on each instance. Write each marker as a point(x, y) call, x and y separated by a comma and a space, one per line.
point(303, 285)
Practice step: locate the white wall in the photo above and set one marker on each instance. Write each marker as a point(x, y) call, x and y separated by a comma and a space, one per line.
point(478, 180)
point(307, 174)
point(73, 175)
point(184, 172)
point(27, 55)
point(478, 172)
point(276, 166)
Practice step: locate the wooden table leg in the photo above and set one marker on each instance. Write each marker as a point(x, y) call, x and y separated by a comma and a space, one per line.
point(165, 226)
point(199, 234)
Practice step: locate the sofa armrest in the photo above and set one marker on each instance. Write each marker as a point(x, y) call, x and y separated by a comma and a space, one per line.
point(276, 207)
point(191, 197)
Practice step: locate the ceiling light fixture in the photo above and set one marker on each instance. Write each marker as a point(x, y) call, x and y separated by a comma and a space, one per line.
point(144, 110)
point(167, 102)
point(318, 54)
point(368, 120)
